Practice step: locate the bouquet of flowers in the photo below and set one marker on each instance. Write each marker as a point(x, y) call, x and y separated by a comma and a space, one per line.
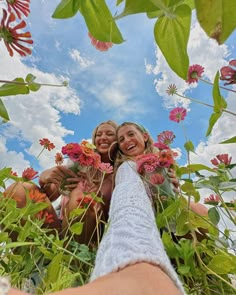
point(81, 158)
point(154, 168)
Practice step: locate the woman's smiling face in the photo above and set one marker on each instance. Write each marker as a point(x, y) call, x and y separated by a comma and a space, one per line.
point(131, 140)
point(104, 138)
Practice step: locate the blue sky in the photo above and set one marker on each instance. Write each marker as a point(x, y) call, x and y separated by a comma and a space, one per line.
point(126, 83)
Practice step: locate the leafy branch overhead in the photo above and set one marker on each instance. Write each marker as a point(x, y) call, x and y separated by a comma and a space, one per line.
point(20, 86)
point(171, 30)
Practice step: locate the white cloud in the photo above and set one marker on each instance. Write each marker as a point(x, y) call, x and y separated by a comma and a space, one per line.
point(82, 61)
point(36, 115)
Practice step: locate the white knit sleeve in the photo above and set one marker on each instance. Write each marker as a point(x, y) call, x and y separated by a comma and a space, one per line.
point(132, 235)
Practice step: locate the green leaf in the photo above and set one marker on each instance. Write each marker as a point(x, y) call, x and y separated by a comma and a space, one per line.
point(17, 244)
point(213, 119)
point(230, 140)
point(222, 264)
point(225, 186)
point(168, 212)
point(34, 86)
point(30, 78)
point(214, 215)
point(171, 35)
point(77, 228)
point(53, 269)
point(183, 269)
point(100, 22)
point(3, 112)
point(76, 212)
point(13, 89)
point(169, 244)
point(66, 9)
point(137, 6)
point(189, 146)
point(193, 168)
point(219, 101)
point(217, 18)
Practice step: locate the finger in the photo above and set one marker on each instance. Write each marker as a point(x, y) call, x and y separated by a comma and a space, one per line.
point(66, 171)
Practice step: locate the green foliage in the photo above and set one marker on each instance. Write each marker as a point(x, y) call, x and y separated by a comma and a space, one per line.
point(217, 18)
point(171, 34)
point(66, 9)
point(3, 112)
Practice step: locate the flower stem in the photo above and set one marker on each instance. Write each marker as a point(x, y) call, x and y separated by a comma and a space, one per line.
point(26, 83)
point(205, 104)
point(210, 83)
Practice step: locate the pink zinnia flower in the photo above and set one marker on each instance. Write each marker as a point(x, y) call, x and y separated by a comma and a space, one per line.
point(47, 144)
point(166, 137)
point(19, 6)
point(11, 37)
point(172, 89)
point(212, 200)
point(106, 168)
point(157, 178)
point(222, 158)
point(228, 73)
point(29, 174)
point(71, 149)
point(178, 114)
point(161, 146)
point(147, 163)
point(100, 45)
point(194, 73)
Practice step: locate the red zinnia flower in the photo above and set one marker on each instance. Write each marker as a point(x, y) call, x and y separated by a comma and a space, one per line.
point(29, 174)
point(19, 6)
point(194, 73)
point(100, 45)
point(172, 89)
point(166, 137)
point(228, 73)
point(48, 217)
point(178, 114)
point(13, 173)
point(11, 37)
point(212, 200)
point(58, 159)
point(85, 201)
point(47, 144)
point(222, 158)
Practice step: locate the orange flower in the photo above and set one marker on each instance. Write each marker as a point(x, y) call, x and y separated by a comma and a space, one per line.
point(59, 158)
point(29, 174)
point(47, 144)
point(36, 196)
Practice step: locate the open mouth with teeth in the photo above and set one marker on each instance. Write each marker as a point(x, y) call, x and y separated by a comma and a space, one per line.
point(131, 147)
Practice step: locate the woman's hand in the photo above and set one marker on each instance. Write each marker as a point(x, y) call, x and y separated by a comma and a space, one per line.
point(174, 180)
point(51, 179)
